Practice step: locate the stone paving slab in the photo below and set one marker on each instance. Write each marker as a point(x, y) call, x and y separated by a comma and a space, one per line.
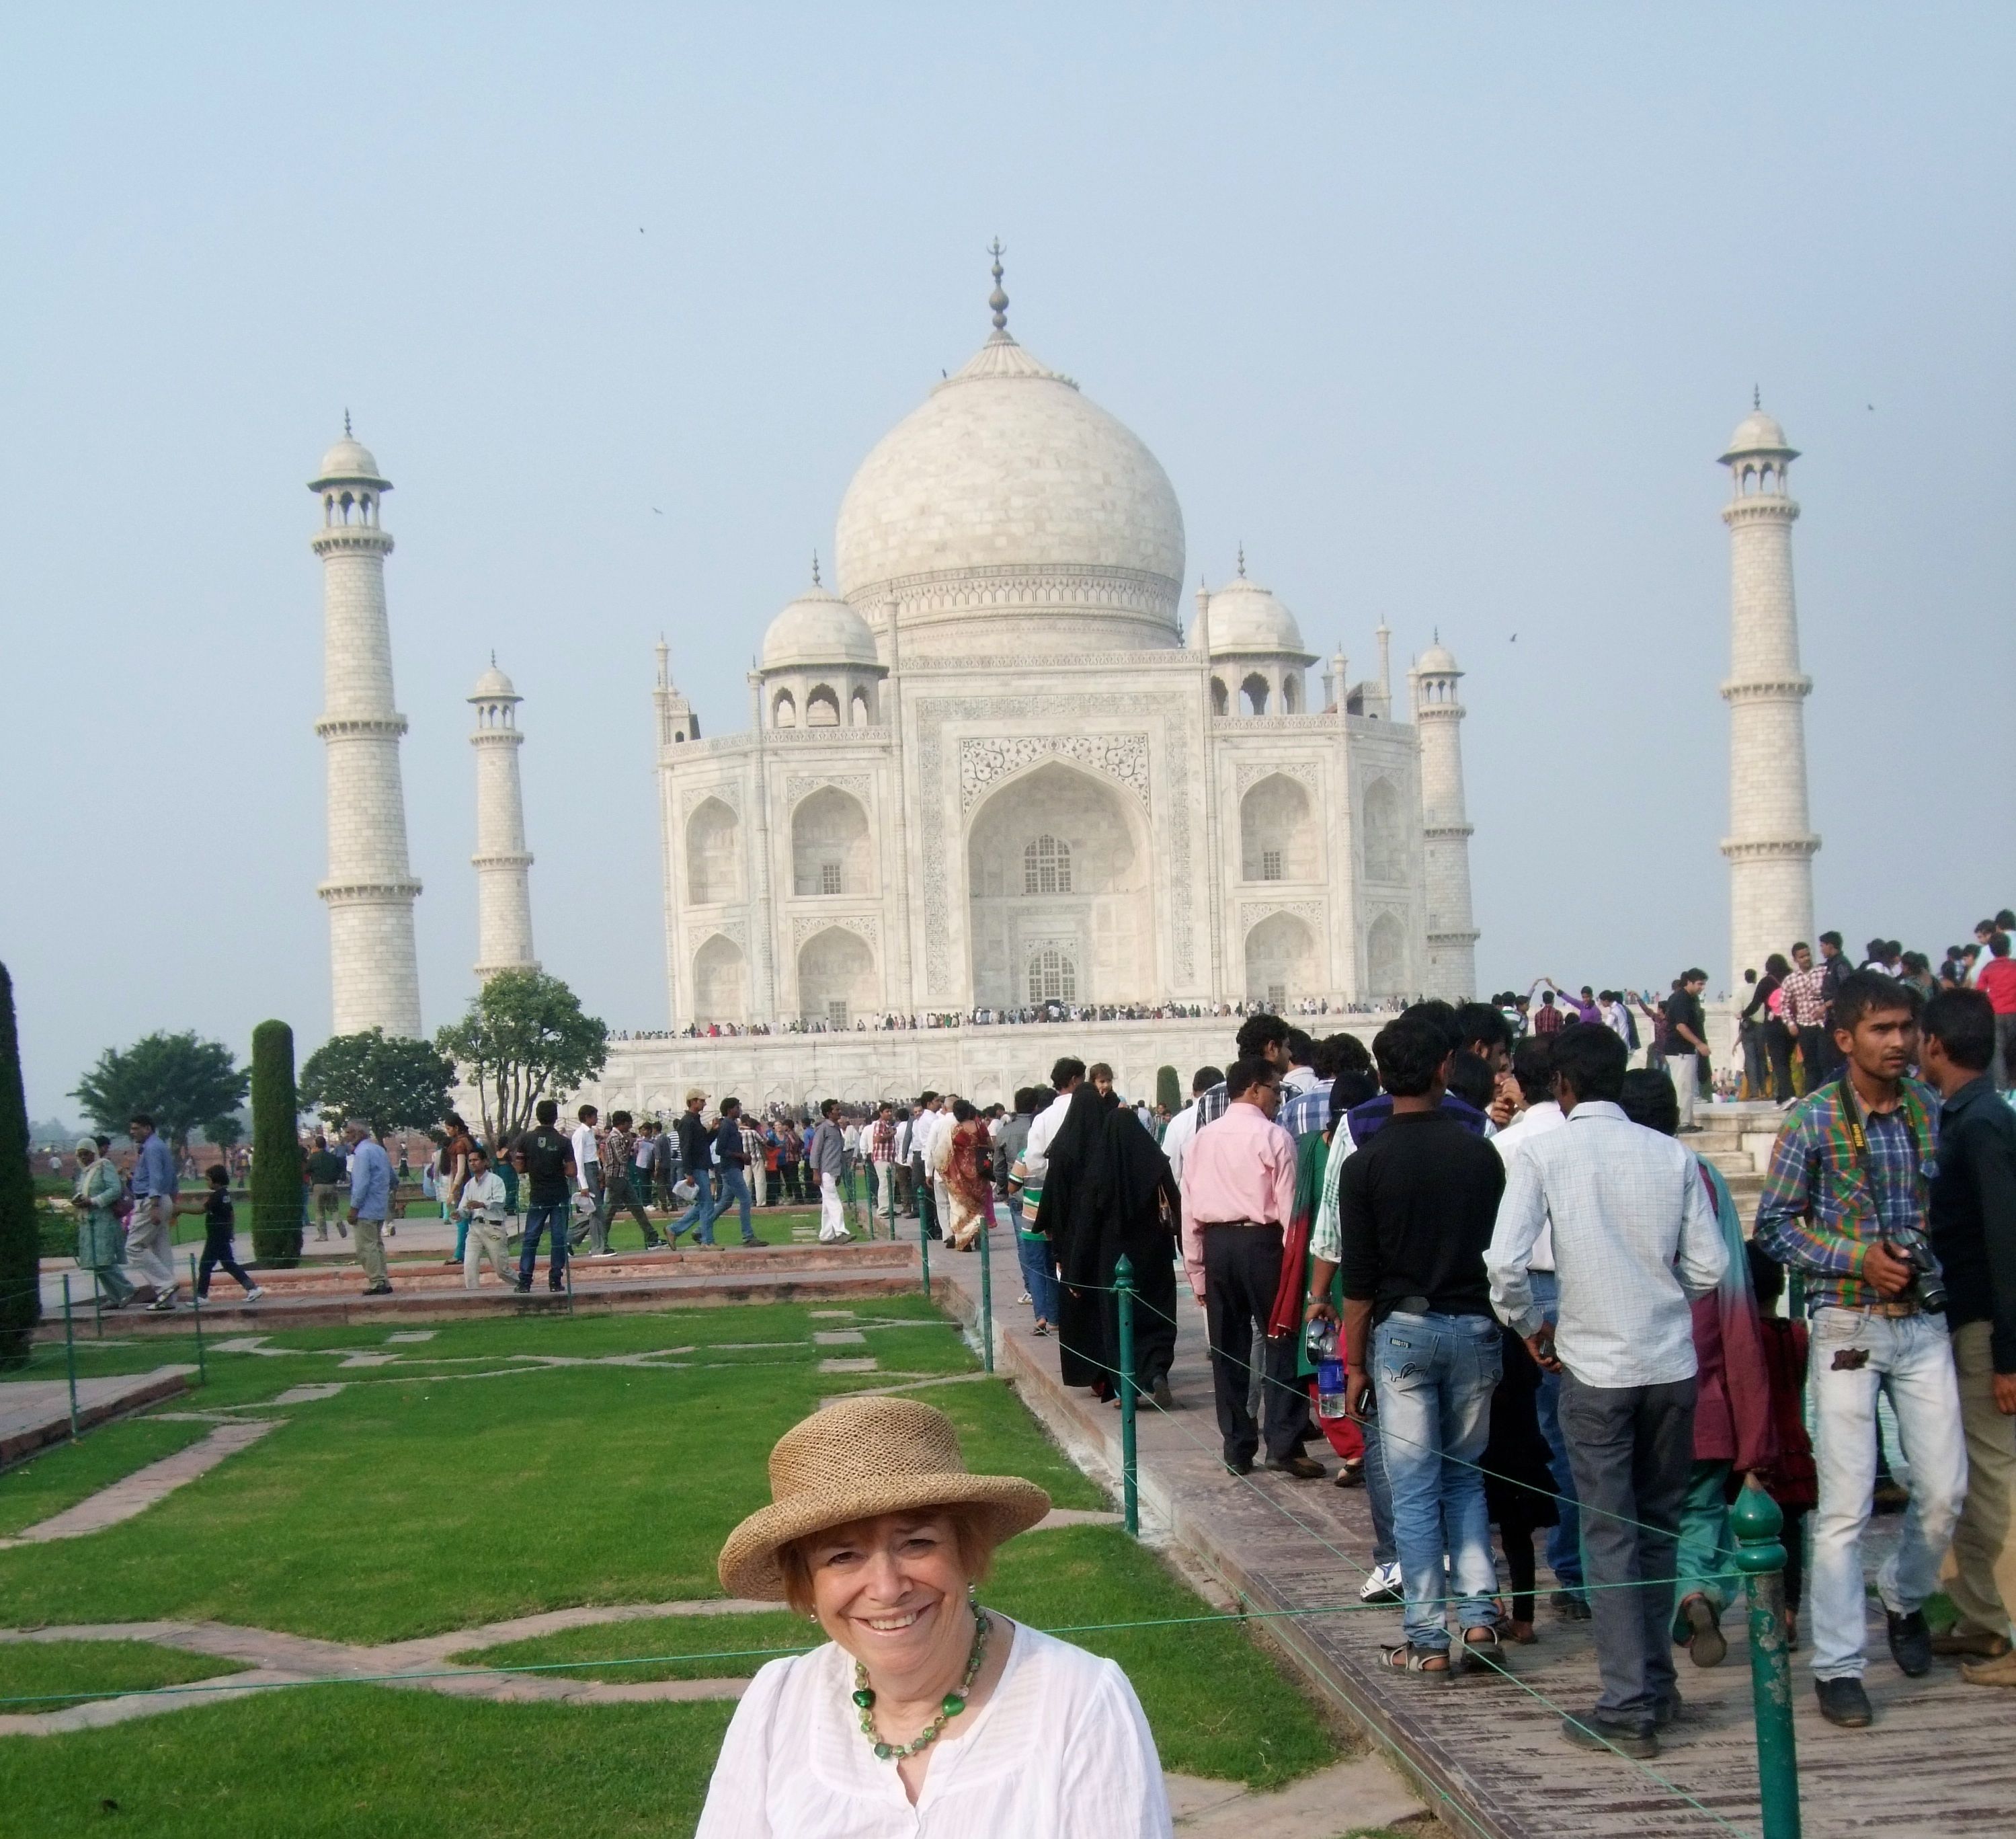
point(134, 1494)
point(1489, 1744)
point(34, 1413)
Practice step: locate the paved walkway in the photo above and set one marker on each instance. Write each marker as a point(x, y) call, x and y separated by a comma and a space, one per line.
point(136, 1492)
point(34, 1413)
point(1493, 1746)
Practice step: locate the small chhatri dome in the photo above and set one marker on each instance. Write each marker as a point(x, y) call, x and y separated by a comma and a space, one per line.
point(493, 686)
point(1438, 661)
point(1245, 617)
point(819, 627)
point(1758, 434)
point(349, 463)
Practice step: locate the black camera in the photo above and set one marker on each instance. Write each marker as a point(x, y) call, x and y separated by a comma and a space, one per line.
point(1928, 1288)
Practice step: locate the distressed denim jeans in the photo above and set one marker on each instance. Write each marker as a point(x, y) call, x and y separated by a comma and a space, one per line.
point(1435, 1375)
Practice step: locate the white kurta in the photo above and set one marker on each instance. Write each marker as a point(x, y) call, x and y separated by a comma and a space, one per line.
point(1061, 1751)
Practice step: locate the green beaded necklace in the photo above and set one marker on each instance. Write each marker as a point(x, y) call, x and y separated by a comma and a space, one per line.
point(949, 1706)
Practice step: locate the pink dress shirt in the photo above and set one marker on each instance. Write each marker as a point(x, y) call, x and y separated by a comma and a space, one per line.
point(1239, 1166)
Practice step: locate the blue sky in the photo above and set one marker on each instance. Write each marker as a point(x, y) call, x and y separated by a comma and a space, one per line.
point(1445, 312)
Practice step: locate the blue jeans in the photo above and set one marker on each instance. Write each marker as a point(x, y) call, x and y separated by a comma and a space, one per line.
point(1378, 1491)
point(734, 1187)
point(1435, 1375)
point(698, 1216)
point(1039, 1274)
point(551, 1219)
point(1565, 1537)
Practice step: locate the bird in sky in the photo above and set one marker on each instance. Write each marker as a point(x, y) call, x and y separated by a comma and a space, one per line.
point(1515, 638)
point(655, 512)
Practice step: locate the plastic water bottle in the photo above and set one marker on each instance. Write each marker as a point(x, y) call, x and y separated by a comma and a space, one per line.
point(1322, 1344)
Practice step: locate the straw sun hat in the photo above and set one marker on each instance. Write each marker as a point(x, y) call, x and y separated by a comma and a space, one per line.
point(855, 1460)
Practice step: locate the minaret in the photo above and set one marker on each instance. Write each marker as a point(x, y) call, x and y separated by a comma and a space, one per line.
point(503, 890)
point(374, 979)
point(1445, 826)
point(1770, 845)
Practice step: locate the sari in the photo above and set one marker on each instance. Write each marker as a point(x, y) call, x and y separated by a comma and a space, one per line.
point(958, 1154)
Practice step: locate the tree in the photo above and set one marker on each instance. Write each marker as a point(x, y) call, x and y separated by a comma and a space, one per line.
point(224, 1133)
point(178, 1081)
point(1168, 1089)
point(20, 1237)
point(276, 1150)
point(394, 1082)
point(523, 1038)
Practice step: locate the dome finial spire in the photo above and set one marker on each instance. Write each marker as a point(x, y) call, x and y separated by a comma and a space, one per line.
point(1757, 395)
point(493, 657)
point(997, 299)
point(1242, 558)
point(346, 434)
point(815, 579)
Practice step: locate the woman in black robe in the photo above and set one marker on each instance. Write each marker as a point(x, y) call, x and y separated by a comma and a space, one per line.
point(1109, 1190)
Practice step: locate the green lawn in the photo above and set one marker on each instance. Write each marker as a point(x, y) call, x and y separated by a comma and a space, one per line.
point(506, 1466)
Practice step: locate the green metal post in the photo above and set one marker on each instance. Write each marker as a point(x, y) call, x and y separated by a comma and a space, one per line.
point(986, 1298)
point(889, 1195)
point(196, 1297)
point(1130, 1476)
point(1757, 1522)
point(569, 1268)
point(69, 1357)
point(924, 1252)
point(97, 1310)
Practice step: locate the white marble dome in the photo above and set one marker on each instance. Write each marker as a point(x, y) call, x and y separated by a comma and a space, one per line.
point(493, 686)
point(1438, 661)
point(349, 462)
point(1757, 433)
point(817, 628)
point(1007, 512)
point(1245, 617)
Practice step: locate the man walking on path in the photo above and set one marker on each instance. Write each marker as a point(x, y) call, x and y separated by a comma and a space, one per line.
point(731, 1156)
point(149, 1244)
point(482, 1208)
point(696, 1159)
point(1533, 1067)
point(1804, 997)
point(1846, 1203)
point(1996, 980)
point(881, 1160)
point(594, 1226)
point(546, 1160)
point(370, 1201)
point(826, 1155)
point(1973, 1217)
point(1416, 1208)
point(219, 1221)
point(1635, 1240)
point(1686, 1047)
point(619, 1147)
point(325, 1172)
point(1239, 1195)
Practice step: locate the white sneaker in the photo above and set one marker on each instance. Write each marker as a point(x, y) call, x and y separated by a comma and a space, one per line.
point(253, 1294)
point(1382, 1586)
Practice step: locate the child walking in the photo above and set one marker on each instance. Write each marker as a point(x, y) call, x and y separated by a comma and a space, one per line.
point(219, 1222)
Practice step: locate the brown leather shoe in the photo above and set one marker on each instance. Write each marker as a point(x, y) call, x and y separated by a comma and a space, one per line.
point(1301, 1468)
point(1976, 1644)
point(1998, 1672)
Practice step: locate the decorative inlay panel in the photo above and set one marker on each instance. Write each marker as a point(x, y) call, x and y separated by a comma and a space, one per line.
point(985, 761)
point(1250, 773)
point(735, 931)
point(1252, 913)
point(694, 796)
point(865, 924)
point(799, 785)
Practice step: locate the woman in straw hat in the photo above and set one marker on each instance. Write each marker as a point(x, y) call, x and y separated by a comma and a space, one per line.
point(924, 1715)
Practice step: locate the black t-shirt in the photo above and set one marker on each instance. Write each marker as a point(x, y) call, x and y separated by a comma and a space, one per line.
point(219, 1216)
point(1416, 1208)
point(1680, 1007)
point(546, 1153)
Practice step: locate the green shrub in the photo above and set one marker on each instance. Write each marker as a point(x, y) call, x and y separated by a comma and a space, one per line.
point(21, 1232)
point(276, 1151)
point(1168, 1089)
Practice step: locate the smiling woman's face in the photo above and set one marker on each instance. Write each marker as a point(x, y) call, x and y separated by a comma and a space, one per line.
point(888, 1589)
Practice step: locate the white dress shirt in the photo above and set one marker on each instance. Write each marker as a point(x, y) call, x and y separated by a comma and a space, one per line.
point(1635, 1240)
point(1042, 1131)
point(1176, 1138)
point(1535, 1121)
point(1060, 1750)
point(483, 1194)
point(587, 1154)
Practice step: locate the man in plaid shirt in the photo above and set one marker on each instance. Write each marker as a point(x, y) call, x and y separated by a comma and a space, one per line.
point(1846, 1204)
point(1805, 996)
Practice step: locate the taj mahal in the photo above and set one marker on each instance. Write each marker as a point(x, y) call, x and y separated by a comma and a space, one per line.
point(991, 767)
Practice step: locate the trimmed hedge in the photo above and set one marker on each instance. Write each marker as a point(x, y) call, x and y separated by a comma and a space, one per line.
point(20, 1228)
point(276, 1151)
point(1168, 1089)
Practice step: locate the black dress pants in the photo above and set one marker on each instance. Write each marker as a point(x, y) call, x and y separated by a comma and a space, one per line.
point(1242, 1270)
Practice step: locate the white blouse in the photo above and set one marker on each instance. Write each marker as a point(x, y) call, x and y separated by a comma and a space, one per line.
point(1061, 1750)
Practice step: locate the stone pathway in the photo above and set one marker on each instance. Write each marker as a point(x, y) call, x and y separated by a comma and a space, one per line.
point(34, 1413)
point(136, 1492)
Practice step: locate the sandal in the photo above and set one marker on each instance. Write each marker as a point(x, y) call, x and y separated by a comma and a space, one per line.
point(1407, 1658)
point(1481, 1647)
